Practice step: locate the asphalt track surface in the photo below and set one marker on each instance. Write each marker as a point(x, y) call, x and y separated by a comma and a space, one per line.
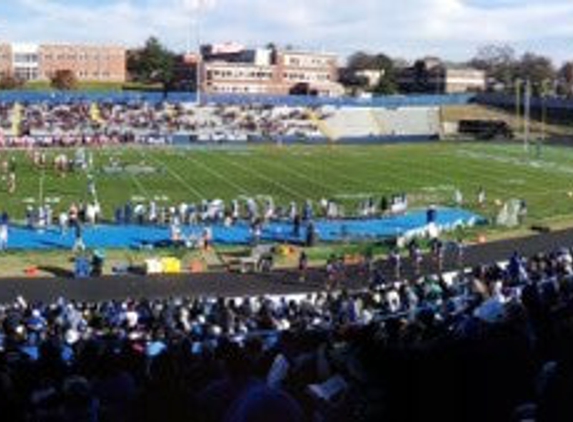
point(276, 283)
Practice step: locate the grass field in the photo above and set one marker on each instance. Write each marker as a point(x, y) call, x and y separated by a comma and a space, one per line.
point(429, 173)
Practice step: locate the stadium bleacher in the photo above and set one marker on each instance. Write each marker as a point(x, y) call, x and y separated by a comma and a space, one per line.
point(488, 334)
point(135, 117)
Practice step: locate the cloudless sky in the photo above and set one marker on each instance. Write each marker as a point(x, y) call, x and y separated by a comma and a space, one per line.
point(452, 29)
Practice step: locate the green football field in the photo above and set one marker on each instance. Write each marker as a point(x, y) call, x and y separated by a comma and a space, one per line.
point(428, 173)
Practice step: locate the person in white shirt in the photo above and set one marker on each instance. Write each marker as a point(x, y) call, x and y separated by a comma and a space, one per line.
point(63, 222)
point(3, 236)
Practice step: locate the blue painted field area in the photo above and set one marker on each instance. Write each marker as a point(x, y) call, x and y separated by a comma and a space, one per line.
point(114, 236)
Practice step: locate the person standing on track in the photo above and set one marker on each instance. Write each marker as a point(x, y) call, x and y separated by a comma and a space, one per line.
point(331, 273)
point(302, 265)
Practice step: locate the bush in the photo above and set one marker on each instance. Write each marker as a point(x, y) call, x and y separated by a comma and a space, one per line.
point(64, 80)
point(8, 81)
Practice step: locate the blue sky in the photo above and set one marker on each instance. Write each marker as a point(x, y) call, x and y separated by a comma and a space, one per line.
point(452, 29)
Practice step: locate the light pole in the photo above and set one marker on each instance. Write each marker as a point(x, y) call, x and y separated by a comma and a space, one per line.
point(199, 70)
point(199, 62)
point(527, 115)
point(196, 7)
point(518, 83)
point(544, 93)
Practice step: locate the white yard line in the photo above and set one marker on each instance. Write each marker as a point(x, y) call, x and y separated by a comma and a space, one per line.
point(178, 178)
point(298, 174)
point(262, 176)
point(241, 190)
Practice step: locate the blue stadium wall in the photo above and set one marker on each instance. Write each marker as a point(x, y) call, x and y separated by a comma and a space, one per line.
point(392, 101)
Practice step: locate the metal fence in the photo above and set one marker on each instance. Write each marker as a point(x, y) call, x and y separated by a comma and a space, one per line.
point(507, 101)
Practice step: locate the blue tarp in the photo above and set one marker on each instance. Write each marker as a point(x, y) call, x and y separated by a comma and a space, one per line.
point(131, 236)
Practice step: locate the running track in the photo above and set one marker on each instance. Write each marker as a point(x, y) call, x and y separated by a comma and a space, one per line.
point(235, 285)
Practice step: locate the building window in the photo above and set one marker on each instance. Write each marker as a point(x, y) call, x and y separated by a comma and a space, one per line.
point(26, 58)
point(26, 73)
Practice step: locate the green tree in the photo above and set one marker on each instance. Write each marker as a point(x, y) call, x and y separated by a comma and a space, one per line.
point(361, 61)
point(566, 79)
point(154, 63)
point(499, 62)
point(389, 81)
point(538, 69)
point(64, 80)
point(9, 81)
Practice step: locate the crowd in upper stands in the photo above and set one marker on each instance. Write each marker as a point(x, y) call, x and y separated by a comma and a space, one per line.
point(491, 344)
point(84, 123)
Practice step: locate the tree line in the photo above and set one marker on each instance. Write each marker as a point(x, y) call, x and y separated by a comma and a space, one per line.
point(503, 66)
point(154, 64)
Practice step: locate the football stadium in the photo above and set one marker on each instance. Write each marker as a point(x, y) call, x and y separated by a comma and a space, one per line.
point(247, 168)
point(313, 201)
point(270, 234)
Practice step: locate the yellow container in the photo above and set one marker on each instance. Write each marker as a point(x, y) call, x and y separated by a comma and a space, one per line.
point(171, 265)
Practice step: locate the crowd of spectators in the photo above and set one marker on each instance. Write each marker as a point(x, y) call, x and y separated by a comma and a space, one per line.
point(103, 123)
point(489, 344)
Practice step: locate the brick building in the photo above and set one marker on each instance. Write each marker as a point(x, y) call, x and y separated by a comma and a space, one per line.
point(235, 70)
point(5, 59)
point(90, 63)
point(32, 62)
